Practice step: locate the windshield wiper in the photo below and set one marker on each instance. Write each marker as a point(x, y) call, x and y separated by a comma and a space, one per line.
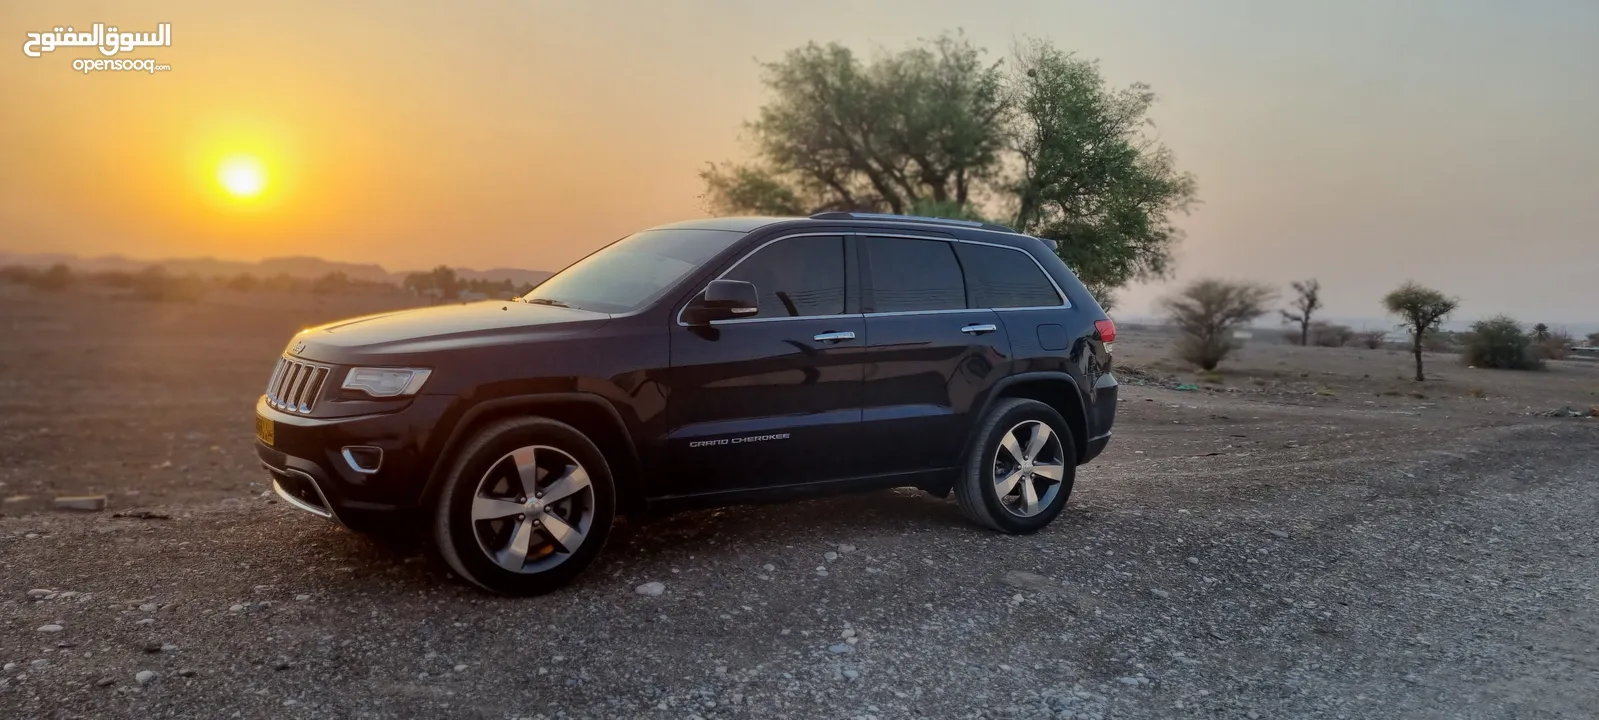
point(545, 301)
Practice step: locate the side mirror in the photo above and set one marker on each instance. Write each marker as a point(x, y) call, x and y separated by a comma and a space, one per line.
point(723, 300)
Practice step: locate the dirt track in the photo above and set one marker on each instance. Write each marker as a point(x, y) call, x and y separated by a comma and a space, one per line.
point(1306, 539)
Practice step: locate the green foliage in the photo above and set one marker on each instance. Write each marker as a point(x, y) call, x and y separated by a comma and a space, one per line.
point(1421, 311)
point(1090, 176)
point(1208, 311)
point(936, 130)
point(1500, 343)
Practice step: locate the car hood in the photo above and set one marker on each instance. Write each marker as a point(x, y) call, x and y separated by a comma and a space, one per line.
point(393, 337)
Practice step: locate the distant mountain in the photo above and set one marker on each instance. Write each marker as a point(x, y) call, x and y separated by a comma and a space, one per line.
point(295, 266)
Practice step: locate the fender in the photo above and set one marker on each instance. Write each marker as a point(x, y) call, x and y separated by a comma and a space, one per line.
point(527, 402)
point(1063, 377)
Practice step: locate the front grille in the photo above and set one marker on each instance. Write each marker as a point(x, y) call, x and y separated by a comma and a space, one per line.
point(295, 385)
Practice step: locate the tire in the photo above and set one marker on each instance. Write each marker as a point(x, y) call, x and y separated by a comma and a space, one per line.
point(491, 525)
point(994, 463)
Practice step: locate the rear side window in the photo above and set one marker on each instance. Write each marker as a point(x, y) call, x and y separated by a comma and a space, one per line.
point(913, 275)
point(796, 277)
point(1003, 278)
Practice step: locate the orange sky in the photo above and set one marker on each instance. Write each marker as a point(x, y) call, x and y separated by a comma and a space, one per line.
point(1360, 142)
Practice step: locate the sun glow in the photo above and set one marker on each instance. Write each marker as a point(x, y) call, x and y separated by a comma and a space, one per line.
point(242, 176)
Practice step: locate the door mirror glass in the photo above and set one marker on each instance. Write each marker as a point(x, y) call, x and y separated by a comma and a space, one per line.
point(723, 300)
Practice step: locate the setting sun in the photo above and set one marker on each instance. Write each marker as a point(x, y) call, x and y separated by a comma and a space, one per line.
point(242, 177)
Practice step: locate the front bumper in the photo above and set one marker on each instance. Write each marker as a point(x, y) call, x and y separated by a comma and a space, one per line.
point(311, 470)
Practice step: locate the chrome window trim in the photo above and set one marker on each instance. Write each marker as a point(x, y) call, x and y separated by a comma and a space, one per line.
point(1066, 302)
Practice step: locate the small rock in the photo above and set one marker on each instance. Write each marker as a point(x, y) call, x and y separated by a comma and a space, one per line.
point(302, 597)
point(848, 633)
point(841, 648)
point(768, 567)
point(652, 589)
point(152, 647)
point(145, 621)
point(852, 674)
point(1412, 678)
point(185, 672)
point(830, 555)
point(51, 628)
point(81, 503)
point(236, 608)
point(144, 677)
point(8, 667)
point(148, 607)
point(821, 572)
point(1277, 533)
point(168, 647)
point(1157, 592)
point(105, 681)
point(40, 593)
point(1127, 680)
point(460, 668)
point(846, 548)
point(40, 664)
point(1193, 561)
point(282, 665)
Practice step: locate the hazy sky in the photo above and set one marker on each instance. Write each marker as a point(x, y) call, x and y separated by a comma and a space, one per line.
point(1455, 142)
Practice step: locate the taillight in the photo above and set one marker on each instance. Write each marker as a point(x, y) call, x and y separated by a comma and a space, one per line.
point(1107, 330)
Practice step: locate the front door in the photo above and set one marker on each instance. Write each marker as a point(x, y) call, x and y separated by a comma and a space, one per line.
point(773, 399)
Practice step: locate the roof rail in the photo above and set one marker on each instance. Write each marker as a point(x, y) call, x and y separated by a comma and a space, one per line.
point(835, 215)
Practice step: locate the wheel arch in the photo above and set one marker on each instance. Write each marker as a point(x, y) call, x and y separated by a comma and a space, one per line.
point(1058, 390)
point(590, 414)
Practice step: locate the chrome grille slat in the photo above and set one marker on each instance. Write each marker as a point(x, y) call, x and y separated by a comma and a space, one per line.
point(295, 385)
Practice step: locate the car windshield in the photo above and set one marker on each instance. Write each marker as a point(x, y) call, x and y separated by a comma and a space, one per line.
point(632, 272)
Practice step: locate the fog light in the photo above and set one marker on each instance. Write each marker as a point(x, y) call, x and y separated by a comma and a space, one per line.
point(364, 459)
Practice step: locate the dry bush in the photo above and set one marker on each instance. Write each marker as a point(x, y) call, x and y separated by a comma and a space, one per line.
point(1555, 345)
point(1371, 340)
point(1330, 335)
point(54, 278)
point(1500, 343)
point(1208, 311)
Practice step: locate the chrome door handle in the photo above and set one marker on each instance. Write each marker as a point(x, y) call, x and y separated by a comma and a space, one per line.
point(979, 329)
point(834, 337)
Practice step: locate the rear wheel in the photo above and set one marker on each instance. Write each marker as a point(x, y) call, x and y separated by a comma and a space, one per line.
point(1020, 468)
point(528, 504)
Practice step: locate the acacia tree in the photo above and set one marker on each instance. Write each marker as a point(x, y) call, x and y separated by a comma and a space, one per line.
point(1421, 310)
point(1044, 145)
point(1306, 302)
point(1208, 311)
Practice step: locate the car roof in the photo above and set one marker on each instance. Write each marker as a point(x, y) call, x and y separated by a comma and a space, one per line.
point(907, 222)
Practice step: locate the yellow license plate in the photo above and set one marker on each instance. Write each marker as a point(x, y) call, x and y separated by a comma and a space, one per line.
point(265, 429)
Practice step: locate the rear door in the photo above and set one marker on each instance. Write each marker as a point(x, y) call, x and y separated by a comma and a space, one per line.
point(773, 399)
point(930, 355)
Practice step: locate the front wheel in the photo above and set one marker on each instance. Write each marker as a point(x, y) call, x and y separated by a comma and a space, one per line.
point(1020, 468)
point(527, 506)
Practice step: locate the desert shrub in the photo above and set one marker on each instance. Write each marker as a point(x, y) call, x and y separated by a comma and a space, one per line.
point(1593, 339)
point(1555, 345)
point(154, 283)
point(1330, 335)
point(117, 279)
point(1500, 343)
point(1371, 340)
point(54, 278)
point(1207, 312)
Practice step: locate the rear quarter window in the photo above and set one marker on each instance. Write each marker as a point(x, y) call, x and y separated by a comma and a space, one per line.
point(998, 277)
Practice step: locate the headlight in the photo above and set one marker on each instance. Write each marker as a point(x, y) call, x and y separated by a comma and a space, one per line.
point(386, 382)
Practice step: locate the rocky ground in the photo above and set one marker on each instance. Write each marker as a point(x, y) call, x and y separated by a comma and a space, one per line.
point(1283, 543)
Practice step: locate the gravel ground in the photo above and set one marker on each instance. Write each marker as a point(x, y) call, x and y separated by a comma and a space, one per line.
point(1310, 535)
point(1376, 567)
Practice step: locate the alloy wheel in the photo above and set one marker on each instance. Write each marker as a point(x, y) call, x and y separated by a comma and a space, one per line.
point(532, 509)
point(1028, 468)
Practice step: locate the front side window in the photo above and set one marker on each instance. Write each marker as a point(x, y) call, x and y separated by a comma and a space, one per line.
point(796, 277)
point(632, 272)
point(1003, 278)
point(913, 275)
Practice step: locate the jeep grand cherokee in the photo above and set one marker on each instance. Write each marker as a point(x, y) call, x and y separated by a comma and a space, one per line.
point(704, 363)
